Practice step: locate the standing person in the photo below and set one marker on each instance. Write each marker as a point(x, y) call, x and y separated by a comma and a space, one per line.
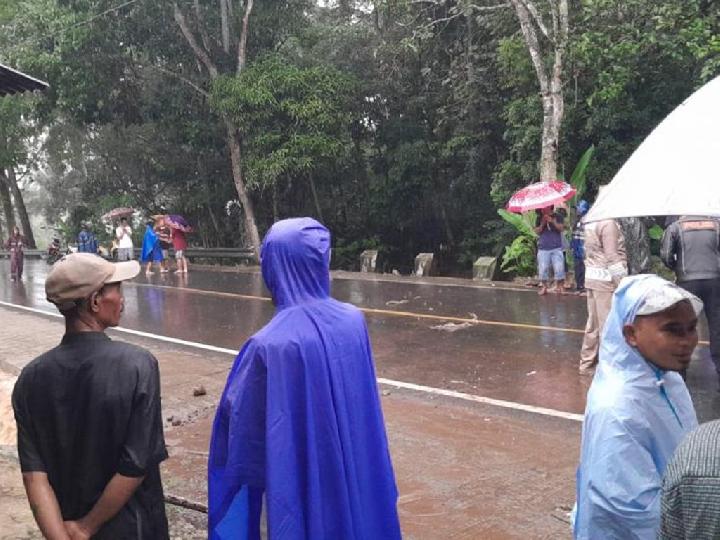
point(180, 245)
point(691, 248)
point(16, 245)
point(87, 243)
point(165, 235)
point(123, 233)
point(549, 227)
point(578, 246)
point(151, 251)
point(605, 266)
point(637, 245)
point(638, 410)
point(90, 432)
point(300, 418)
point(690, 505)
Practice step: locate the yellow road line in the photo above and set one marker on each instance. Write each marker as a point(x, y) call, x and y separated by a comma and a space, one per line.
point(387, 312)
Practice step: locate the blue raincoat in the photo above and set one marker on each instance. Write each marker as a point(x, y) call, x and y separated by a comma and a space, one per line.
point(300, 419)
point(151, 250)
point(635, 417)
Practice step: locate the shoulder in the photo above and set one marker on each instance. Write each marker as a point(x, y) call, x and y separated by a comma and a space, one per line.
point(697, 455)
point(130, 357)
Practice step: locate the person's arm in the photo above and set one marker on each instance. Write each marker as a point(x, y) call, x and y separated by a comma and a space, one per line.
point(44, 505)
point(541, 224)
point(558, 222)
point(668, 249)
point(116, 494)
point(613, 246)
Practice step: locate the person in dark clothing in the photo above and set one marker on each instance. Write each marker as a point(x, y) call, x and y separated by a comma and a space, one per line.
point(691, 248)
point(90, 433)
point(577, 244)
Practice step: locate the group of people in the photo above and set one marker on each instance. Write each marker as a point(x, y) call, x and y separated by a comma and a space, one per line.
point(298, 436)
point(298, 443)
point(158, 239)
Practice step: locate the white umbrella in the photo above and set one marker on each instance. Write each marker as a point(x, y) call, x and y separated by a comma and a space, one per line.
point(676, 170)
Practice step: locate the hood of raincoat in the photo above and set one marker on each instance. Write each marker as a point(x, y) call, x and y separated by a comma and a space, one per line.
point(635, 417)
point(299, 422)
point(295, 261)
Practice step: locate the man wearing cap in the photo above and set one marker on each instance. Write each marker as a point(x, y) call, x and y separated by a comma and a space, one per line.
point(90, 434)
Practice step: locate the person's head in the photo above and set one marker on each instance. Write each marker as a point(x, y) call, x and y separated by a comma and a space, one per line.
point(295, 261)
point(83, 226)
point(16, 231)
point(582, 207)
point(87, 289)
point(123, 221)
point(667, 338)
point(547, 210)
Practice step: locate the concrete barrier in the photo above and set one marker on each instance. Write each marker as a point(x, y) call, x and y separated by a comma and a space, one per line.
point(368, 260)
point(425, 264)
point(484, 268)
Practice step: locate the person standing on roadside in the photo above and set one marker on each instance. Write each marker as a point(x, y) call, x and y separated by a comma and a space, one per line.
point(180, 244)
point(549, 228)
point(90, 428)
point(123, 233)
point(577, 244)
point(16, 246)
point(165, 235)
point(87, 243)
point(691, 248)
point(605, 266)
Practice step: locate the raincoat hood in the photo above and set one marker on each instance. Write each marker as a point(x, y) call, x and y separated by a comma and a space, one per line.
point(295, 261)
point(635, 417)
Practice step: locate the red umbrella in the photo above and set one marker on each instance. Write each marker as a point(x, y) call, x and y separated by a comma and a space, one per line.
point(540, 195)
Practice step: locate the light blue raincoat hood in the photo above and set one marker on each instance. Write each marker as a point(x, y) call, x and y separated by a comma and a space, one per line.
point(635, 417)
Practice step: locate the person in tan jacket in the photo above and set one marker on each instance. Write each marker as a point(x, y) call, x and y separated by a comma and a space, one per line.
point(605, 266)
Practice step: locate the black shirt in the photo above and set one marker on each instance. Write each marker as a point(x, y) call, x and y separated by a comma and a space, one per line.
point(86, 410)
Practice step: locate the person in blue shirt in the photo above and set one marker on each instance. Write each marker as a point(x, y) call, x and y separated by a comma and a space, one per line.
point(299, 428)
point(87, 243)
point(577, 245)
point(638, 409)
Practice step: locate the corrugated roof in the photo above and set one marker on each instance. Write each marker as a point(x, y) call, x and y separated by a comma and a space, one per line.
point(14, 82)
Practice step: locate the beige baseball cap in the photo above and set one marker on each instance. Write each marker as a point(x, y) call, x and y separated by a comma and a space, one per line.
point(78, 275)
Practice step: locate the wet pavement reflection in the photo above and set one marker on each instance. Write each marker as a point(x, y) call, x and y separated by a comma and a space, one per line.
point(423, 335)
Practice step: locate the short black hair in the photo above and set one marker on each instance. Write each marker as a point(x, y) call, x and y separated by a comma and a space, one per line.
point(123, 219)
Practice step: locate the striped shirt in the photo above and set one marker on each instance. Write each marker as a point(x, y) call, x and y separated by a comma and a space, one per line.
point(691, 488)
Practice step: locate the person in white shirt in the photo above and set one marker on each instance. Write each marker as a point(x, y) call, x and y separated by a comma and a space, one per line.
point(125, 243)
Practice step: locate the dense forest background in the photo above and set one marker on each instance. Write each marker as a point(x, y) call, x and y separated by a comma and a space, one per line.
point(401, 124)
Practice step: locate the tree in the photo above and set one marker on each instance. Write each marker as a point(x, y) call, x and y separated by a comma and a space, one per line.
point(203, 52)
point(551, 42)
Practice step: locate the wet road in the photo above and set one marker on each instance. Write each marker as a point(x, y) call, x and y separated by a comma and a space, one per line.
point(502, 344)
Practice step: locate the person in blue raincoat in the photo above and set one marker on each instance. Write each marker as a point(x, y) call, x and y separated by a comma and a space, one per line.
point(638, 409)
point(151, 251)
point(299, 426)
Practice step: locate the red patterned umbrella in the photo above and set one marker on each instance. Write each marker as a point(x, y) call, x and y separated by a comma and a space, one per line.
point(540, 195)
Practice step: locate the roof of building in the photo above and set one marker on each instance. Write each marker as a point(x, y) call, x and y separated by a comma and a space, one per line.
point(14, 82)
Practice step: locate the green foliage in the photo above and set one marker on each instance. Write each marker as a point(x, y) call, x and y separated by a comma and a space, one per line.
point(578, 180)
point(655, 232)
point(519, 257)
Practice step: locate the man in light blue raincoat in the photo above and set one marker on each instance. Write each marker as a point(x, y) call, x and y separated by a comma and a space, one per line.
point(638, 409)
point(299, 422)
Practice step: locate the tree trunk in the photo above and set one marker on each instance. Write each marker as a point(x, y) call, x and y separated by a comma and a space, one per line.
point(549, 149)
point(20, 206)
point(6, 202)
point(225, 25)
point(316, 199)
point(234, 145)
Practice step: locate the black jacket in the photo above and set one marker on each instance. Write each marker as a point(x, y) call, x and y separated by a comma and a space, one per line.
point(691, 247)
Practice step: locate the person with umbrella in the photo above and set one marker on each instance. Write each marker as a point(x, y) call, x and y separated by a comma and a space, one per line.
point(549, 228)
point(123, 233)
point(179, 226)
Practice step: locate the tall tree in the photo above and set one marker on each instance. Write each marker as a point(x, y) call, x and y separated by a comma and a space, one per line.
point(543, 43)
point(203, 51)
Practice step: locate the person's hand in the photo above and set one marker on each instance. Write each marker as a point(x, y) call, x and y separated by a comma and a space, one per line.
point(77, 531)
